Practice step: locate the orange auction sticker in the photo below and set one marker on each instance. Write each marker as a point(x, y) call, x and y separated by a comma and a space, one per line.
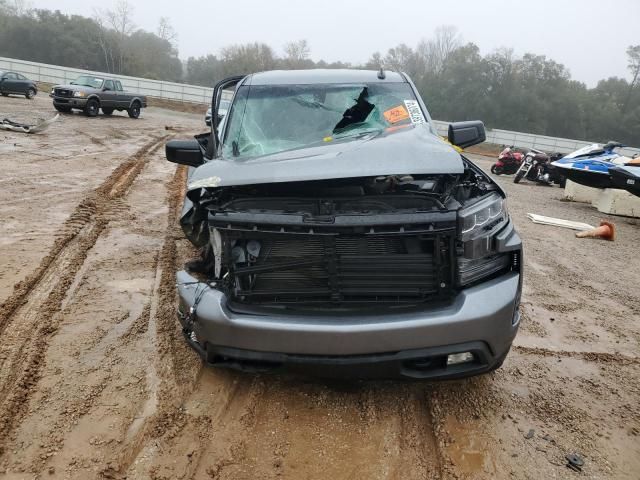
point(396, 114)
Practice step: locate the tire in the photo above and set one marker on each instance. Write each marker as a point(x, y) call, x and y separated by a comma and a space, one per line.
point(563, 182)
point(62, 109)
point(493, 169)
point(518, 176)
point(31, 93)
point(107, 111)
point(92, 107)
point(134, 110)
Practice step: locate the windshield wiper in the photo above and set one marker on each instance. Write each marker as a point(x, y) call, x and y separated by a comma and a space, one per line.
point(360, 133)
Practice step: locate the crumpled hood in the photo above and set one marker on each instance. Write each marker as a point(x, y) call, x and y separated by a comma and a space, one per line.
point(413, 150)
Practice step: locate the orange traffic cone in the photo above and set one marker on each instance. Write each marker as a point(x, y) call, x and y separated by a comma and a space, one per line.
point(606, 230)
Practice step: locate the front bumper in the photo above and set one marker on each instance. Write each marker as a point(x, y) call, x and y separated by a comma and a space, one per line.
point(482, 319)
point(72, 102)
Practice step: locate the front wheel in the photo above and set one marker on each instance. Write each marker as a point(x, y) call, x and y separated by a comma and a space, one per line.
point(518, 176)
point(91, 108)
point(134, 110)
point(30, 93)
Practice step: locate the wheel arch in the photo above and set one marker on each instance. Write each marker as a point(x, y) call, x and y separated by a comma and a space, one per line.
point(136, 99)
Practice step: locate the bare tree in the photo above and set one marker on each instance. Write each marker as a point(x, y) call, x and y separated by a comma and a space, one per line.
point(16, 7)
point(633, 52)
point(297, 52)
point(121, 21)
point(400, 59)
point(166, 31)
point(103, 39)
point(121, 18)
point(433, 53)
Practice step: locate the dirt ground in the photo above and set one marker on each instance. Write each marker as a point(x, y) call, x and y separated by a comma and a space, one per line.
point(96, 381)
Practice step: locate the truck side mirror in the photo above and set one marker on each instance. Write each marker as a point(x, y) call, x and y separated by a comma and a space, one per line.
point(465, 134)
point(184, 152)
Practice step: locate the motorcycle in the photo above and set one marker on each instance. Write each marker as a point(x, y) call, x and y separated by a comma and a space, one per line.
point(537, 167)
point(508, 162)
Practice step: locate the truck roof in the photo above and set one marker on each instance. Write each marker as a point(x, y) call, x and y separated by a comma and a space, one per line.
point(318, 76)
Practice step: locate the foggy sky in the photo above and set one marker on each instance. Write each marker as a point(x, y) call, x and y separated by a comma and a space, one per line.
point(587, 36)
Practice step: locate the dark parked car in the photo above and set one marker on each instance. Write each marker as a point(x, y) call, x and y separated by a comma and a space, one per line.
point(90, 93)
point(16, 83)
point(341, 235)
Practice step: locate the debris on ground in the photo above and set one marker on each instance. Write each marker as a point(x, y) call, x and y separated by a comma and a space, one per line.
point(575, 462)
point(558, 222)
point(42, 125)
point(606, 231)
point(530, 434)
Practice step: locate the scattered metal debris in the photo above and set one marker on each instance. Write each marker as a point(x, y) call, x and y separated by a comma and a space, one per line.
point(42, 125)
point(530, 434)
point(558, 222)
point(575, 462)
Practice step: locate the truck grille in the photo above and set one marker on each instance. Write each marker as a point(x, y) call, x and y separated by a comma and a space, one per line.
point(345, 269)
point(62, 92)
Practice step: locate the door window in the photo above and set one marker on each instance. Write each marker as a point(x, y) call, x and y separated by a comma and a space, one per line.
point(118, 85)
point(20, 77)
point(108, 85)
point(11, 76)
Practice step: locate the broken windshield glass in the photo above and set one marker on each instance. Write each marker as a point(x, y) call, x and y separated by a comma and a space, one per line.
point(266, 119)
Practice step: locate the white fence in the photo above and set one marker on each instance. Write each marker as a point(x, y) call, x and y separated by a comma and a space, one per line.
point(41, 72)
point(191, 93)
point(528, 140)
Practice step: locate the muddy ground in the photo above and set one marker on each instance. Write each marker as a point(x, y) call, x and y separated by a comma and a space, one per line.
point(96, 381)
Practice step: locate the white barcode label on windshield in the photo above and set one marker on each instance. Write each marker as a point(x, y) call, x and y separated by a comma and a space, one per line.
point(414, 111)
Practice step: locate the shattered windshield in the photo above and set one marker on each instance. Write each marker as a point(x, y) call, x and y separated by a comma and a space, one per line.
point(88, 81)
point(267, 119)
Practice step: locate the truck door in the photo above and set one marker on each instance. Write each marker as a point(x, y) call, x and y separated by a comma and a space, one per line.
point(121, 98)
point(109, 95)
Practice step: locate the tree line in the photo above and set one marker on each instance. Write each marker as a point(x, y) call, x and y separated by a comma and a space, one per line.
point(529, 93)
point(107, 42)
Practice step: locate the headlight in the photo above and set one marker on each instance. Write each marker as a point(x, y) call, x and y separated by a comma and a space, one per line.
point(78, 94)
point(478, 225)
point(483, 218)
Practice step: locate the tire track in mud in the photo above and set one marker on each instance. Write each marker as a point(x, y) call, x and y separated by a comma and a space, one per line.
point(174, 364)
point(28, 316)
point(79, 218)
point(603, 357)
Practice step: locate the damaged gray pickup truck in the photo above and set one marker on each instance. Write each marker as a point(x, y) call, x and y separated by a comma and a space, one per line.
point(340, 235)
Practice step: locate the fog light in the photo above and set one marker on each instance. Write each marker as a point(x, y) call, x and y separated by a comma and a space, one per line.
point(458, 358)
